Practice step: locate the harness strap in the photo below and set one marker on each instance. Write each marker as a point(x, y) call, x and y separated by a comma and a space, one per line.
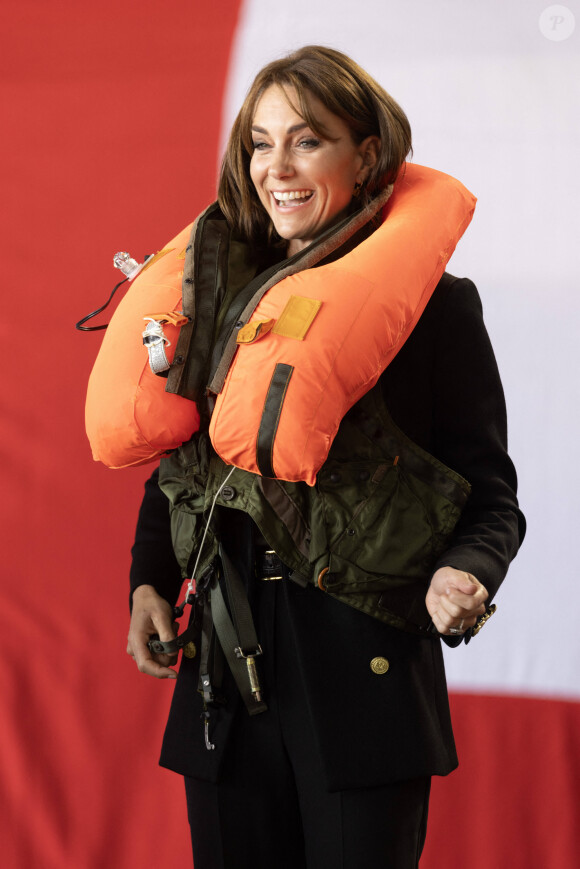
point(237, 635)
point(172, 647)
point(209, 679)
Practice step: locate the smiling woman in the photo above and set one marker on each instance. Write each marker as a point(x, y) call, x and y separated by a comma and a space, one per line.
point(328, 96)
point(319, 609)
point(305, 180)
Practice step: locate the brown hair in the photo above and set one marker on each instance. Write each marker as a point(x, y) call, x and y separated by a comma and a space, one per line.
point(347, 91)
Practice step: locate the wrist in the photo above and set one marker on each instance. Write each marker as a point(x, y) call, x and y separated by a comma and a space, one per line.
point(141, 594)
point(144, 591)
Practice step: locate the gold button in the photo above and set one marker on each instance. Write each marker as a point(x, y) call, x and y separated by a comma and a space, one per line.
point(189, 650)
point(379, 666)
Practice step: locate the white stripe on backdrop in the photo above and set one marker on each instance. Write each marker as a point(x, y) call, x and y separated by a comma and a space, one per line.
point(495, 102)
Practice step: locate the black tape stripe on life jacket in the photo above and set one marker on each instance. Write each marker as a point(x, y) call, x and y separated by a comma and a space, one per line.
point(271, 417)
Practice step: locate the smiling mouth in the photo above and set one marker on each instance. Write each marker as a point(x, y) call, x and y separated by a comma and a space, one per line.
point(291, 198)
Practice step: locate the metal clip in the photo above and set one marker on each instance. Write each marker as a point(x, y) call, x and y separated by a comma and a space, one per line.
point(209, 745)
point(206, 688)
point(252, 671)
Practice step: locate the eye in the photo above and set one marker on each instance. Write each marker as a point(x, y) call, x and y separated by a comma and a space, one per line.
point(260, 146)
point(309, 143)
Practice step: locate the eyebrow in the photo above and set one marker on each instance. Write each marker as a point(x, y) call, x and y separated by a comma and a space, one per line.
point(294, 129)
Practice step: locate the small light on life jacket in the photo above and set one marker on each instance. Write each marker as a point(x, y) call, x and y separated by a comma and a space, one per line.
point(129, 266)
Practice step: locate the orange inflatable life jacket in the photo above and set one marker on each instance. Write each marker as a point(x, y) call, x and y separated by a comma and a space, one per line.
point(314, 344)
point(129, 418)
point(320, 339)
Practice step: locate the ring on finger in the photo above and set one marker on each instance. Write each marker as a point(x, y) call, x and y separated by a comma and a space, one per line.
point(457, 630)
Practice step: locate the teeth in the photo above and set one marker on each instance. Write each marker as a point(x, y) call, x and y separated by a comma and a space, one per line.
point(290, 194)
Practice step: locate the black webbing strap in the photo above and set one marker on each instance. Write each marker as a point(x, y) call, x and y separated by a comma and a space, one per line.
point(172, 647)
point(237, 635)
point(211, 660)
point(271, 417)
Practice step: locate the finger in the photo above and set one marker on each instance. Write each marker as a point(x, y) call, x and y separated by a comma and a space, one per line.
point(165, 627)
point(444, 623)
point(449, 626)
point(473, 598)
point(447, 581)
point(457, 628)
point(446, 615)
point(463, 582)
point(147, 664)
point(152, 665)
point(462, 606)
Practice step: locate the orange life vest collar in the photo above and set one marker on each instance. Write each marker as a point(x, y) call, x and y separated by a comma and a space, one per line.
point(306, 344)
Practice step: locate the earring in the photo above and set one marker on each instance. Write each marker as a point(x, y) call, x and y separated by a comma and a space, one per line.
point(357, 189)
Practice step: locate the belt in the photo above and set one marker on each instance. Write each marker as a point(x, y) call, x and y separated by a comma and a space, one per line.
point(269, 567)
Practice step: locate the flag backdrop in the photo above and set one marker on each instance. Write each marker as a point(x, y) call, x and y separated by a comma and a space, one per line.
point(113, 117)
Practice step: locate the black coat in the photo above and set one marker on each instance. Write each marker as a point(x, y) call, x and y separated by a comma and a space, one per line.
point(443, 390)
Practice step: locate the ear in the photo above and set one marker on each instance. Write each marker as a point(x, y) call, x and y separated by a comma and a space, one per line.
point(369, 151)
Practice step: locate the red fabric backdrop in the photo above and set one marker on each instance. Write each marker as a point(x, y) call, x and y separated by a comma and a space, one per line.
point(111, 116)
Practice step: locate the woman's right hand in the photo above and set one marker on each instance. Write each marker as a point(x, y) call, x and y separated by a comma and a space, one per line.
point(151, 615)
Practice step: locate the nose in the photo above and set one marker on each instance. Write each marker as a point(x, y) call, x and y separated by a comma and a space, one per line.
point(280, 164)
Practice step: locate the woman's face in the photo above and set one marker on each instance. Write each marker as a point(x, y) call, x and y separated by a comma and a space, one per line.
point(304, 181)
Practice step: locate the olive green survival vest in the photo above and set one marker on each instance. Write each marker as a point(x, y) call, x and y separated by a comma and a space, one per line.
point(382, 511)
point(368, 533)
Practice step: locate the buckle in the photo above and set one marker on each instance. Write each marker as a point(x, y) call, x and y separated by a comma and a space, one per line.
point(268, 566)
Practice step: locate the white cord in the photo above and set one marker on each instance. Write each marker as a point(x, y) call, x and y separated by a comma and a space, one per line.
point(217, 494)
point(154, 329)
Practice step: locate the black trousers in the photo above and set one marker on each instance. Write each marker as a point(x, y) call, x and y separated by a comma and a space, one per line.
point(271, 809)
